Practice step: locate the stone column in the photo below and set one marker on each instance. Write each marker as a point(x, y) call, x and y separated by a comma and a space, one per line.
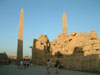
point(64, 22)
point(20, 38)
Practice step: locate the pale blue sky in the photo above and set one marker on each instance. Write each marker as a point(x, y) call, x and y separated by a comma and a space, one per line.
point(45, 17)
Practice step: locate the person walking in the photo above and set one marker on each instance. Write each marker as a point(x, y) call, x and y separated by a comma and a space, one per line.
point(48, 66)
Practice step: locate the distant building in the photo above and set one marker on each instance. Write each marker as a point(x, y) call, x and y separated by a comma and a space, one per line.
point(12, 57)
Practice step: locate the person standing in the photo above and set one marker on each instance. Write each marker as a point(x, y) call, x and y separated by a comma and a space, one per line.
point(57, 67)
point(48, 66)
point(21, 63)
point(25, 63)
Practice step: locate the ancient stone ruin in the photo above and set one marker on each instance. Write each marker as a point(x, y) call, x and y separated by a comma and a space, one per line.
point(78, 51)
point(4, 59)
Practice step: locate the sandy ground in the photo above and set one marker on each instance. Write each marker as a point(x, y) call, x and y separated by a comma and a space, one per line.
point(37, 70)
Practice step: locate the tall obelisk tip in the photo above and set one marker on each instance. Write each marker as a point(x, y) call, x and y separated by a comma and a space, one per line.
point(64, 13)
point(21, 9)
point(64, 22)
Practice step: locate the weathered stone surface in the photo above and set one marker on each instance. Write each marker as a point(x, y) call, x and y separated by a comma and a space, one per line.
point(73, 33)
point(93, 34)
point(79, 51)
point(40, 49)
point(43, 38)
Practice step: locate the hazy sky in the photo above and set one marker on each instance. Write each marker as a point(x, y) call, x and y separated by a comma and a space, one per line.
point(45, 17)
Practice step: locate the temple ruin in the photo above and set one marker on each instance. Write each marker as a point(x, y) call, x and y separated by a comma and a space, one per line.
point(78, 51)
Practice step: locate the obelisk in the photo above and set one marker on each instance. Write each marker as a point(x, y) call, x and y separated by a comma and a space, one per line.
point(20, 38)
point(64, 22)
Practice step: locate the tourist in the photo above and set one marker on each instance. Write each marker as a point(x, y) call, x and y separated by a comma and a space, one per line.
point(18, 65)
point(57, 67)
point(31, 64)
point(28, 63)
point(48, 66)
point(21, 63)
point(25, 64)
point(62, 65)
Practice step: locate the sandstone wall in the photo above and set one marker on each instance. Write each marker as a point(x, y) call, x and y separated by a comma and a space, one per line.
point(41, 50)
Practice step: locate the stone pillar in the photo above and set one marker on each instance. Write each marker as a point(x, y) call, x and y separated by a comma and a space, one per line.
point(64, 22)
point(20, 38)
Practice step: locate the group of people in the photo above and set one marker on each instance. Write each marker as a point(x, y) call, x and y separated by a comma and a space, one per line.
point(24, 64)
point(57, 65)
